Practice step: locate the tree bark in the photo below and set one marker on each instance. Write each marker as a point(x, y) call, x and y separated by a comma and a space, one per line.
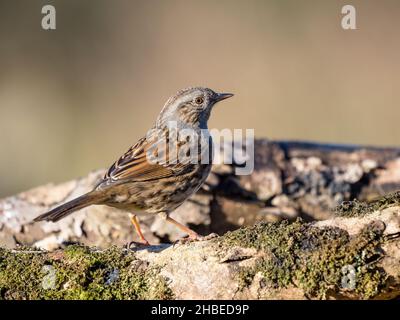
point(290, 180)
point(355, 256)
point(295, 241)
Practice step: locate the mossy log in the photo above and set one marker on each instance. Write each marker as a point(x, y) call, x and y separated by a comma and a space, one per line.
point(353, 256)
point(290, 180)
point(292, 244)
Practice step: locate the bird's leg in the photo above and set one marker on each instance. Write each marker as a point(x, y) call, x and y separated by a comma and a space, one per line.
point(135, 223)
point(192, 234)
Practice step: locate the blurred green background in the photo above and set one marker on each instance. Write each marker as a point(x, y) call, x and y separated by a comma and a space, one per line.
point(72, 100)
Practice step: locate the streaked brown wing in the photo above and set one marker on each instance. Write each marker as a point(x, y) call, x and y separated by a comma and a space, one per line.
point(135, 166)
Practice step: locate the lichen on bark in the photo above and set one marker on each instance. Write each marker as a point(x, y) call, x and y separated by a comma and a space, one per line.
point(356, 208)
point(353, 256)
point(313, 259)
point(78, 272)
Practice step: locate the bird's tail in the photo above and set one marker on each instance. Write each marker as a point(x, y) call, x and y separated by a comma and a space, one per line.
point(70, 207)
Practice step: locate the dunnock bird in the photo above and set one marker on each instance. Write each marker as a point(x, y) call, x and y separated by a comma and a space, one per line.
point(139, 182)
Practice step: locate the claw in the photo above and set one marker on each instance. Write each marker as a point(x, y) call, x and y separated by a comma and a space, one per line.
point(211, 236)
point(194, 238)
point(134, 245)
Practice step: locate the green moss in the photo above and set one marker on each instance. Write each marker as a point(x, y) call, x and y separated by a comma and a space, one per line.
point(78, 273)
point(314, 259)
point(357, 208)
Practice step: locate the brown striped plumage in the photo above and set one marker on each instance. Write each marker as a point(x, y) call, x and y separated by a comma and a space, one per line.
point(138, 184)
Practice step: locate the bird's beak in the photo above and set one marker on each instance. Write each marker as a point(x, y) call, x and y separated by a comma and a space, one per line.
point(223, 96)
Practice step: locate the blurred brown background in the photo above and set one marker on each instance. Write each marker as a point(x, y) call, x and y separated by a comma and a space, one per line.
point(74, 99)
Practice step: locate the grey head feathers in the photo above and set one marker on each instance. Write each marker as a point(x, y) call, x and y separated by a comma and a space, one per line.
point(190, 107)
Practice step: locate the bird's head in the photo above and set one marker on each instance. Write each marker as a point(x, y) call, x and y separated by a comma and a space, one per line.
point(191, 106)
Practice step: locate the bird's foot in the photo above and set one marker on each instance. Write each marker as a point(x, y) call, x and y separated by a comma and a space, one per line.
point(195, 237)
point(135, 245)
point(210, 236)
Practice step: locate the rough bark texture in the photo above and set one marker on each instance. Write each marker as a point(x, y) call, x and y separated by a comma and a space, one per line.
point(290, 180)
point(299, 248)
point(341, 258)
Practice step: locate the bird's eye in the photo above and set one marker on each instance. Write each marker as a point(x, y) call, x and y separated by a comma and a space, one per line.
point(199, 100)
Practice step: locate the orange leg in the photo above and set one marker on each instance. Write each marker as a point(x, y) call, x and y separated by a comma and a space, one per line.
point(192, 234)
point(135, 223)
